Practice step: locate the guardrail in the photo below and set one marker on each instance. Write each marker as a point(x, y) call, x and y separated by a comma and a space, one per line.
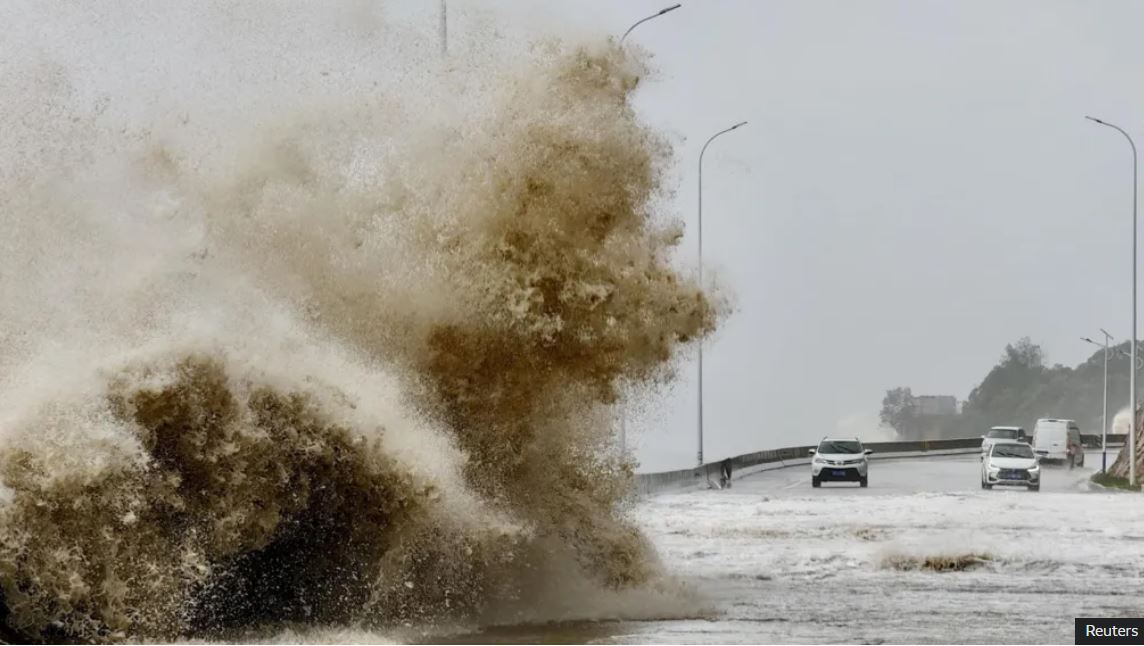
point(647, 483)
point(1092, 440)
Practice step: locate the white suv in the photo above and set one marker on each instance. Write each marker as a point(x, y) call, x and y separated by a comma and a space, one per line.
point(1011, 463)
point(839, 460)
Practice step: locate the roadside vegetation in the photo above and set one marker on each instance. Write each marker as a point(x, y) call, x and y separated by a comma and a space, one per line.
point(1113, 482)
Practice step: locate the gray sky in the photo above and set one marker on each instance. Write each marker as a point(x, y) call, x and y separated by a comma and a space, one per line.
point(916, 188)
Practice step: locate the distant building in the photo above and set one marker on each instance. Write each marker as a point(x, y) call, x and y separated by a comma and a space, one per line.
point(935, 405)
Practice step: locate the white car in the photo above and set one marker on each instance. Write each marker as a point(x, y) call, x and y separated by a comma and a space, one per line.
point(1010, 463)
point(841, 460)
point(1001, 433)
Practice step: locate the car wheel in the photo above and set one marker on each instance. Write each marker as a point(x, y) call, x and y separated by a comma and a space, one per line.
point(986, 485)
point(863, 482)
point(815, 482)
point(1034, 488)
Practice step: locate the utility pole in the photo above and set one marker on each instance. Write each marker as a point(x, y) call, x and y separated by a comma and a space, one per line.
point(1131, 369)
point(623, 415)
point(700, 229)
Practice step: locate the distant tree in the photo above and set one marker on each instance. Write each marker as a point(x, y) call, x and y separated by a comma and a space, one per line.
point(1010, 382)
point(1018, 390)
point(899, 410)
point(1024, 353)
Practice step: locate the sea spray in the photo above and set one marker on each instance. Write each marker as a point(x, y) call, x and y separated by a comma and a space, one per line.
point(1122, 425)
point(356, 365)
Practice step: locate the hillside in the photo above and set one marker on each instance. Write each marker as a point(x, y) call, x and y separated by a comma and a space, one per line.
point(1017, 391)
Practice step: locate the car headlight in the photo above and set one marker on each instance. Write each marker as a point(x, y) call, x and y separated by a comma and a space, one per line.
point(993, 469)
point(1035, 468)
point(818, 460)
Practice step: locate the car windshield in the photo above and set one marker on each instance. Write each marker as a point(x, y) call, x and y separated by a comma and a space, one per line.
point(1003, 433)
point(839, 446)
point(1012, 451)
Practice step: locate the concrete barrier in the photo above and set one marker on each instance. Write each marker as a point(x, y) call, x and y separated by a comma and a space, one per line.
point(745, 465)
point(1092, 440)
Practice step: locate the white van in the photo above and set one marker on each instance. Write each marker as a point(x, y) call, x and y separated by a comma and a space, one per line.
point(1053, 437)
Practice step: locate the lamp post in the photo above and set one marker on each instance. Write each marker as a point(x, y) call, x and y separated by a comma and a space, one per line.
point(623, 419)
point(1131, 368)
point(1139, 359)
point(639, 22)
point(1104, 414)
point(701, 152)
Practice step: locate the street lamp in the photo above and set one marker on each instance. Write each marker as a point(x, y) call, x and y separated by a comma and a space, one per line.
point(701, 152)
point(1131, 368)
point(1139, 359)
point(623, 419)
point(1103, 415)
point(654, 15)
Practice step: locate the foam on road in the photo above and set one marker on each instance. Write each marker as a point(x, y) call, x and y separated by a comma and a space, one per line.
point(783, 562)
point(775, 561)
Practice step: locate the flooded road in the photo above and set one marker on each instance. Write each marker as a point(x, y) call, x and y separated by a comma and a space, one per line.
point(778, 562)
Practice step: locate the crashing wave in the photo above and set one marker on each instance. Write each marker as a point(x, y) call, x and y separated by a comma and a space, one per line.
point(351, 372)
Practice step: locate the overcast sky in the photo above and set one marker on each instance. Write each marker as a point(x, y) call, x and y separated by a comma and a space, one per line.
point(917, 187)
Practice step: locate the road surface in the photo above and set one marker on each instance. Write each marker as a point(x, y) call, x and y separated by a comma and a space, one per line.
point(774, 561)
